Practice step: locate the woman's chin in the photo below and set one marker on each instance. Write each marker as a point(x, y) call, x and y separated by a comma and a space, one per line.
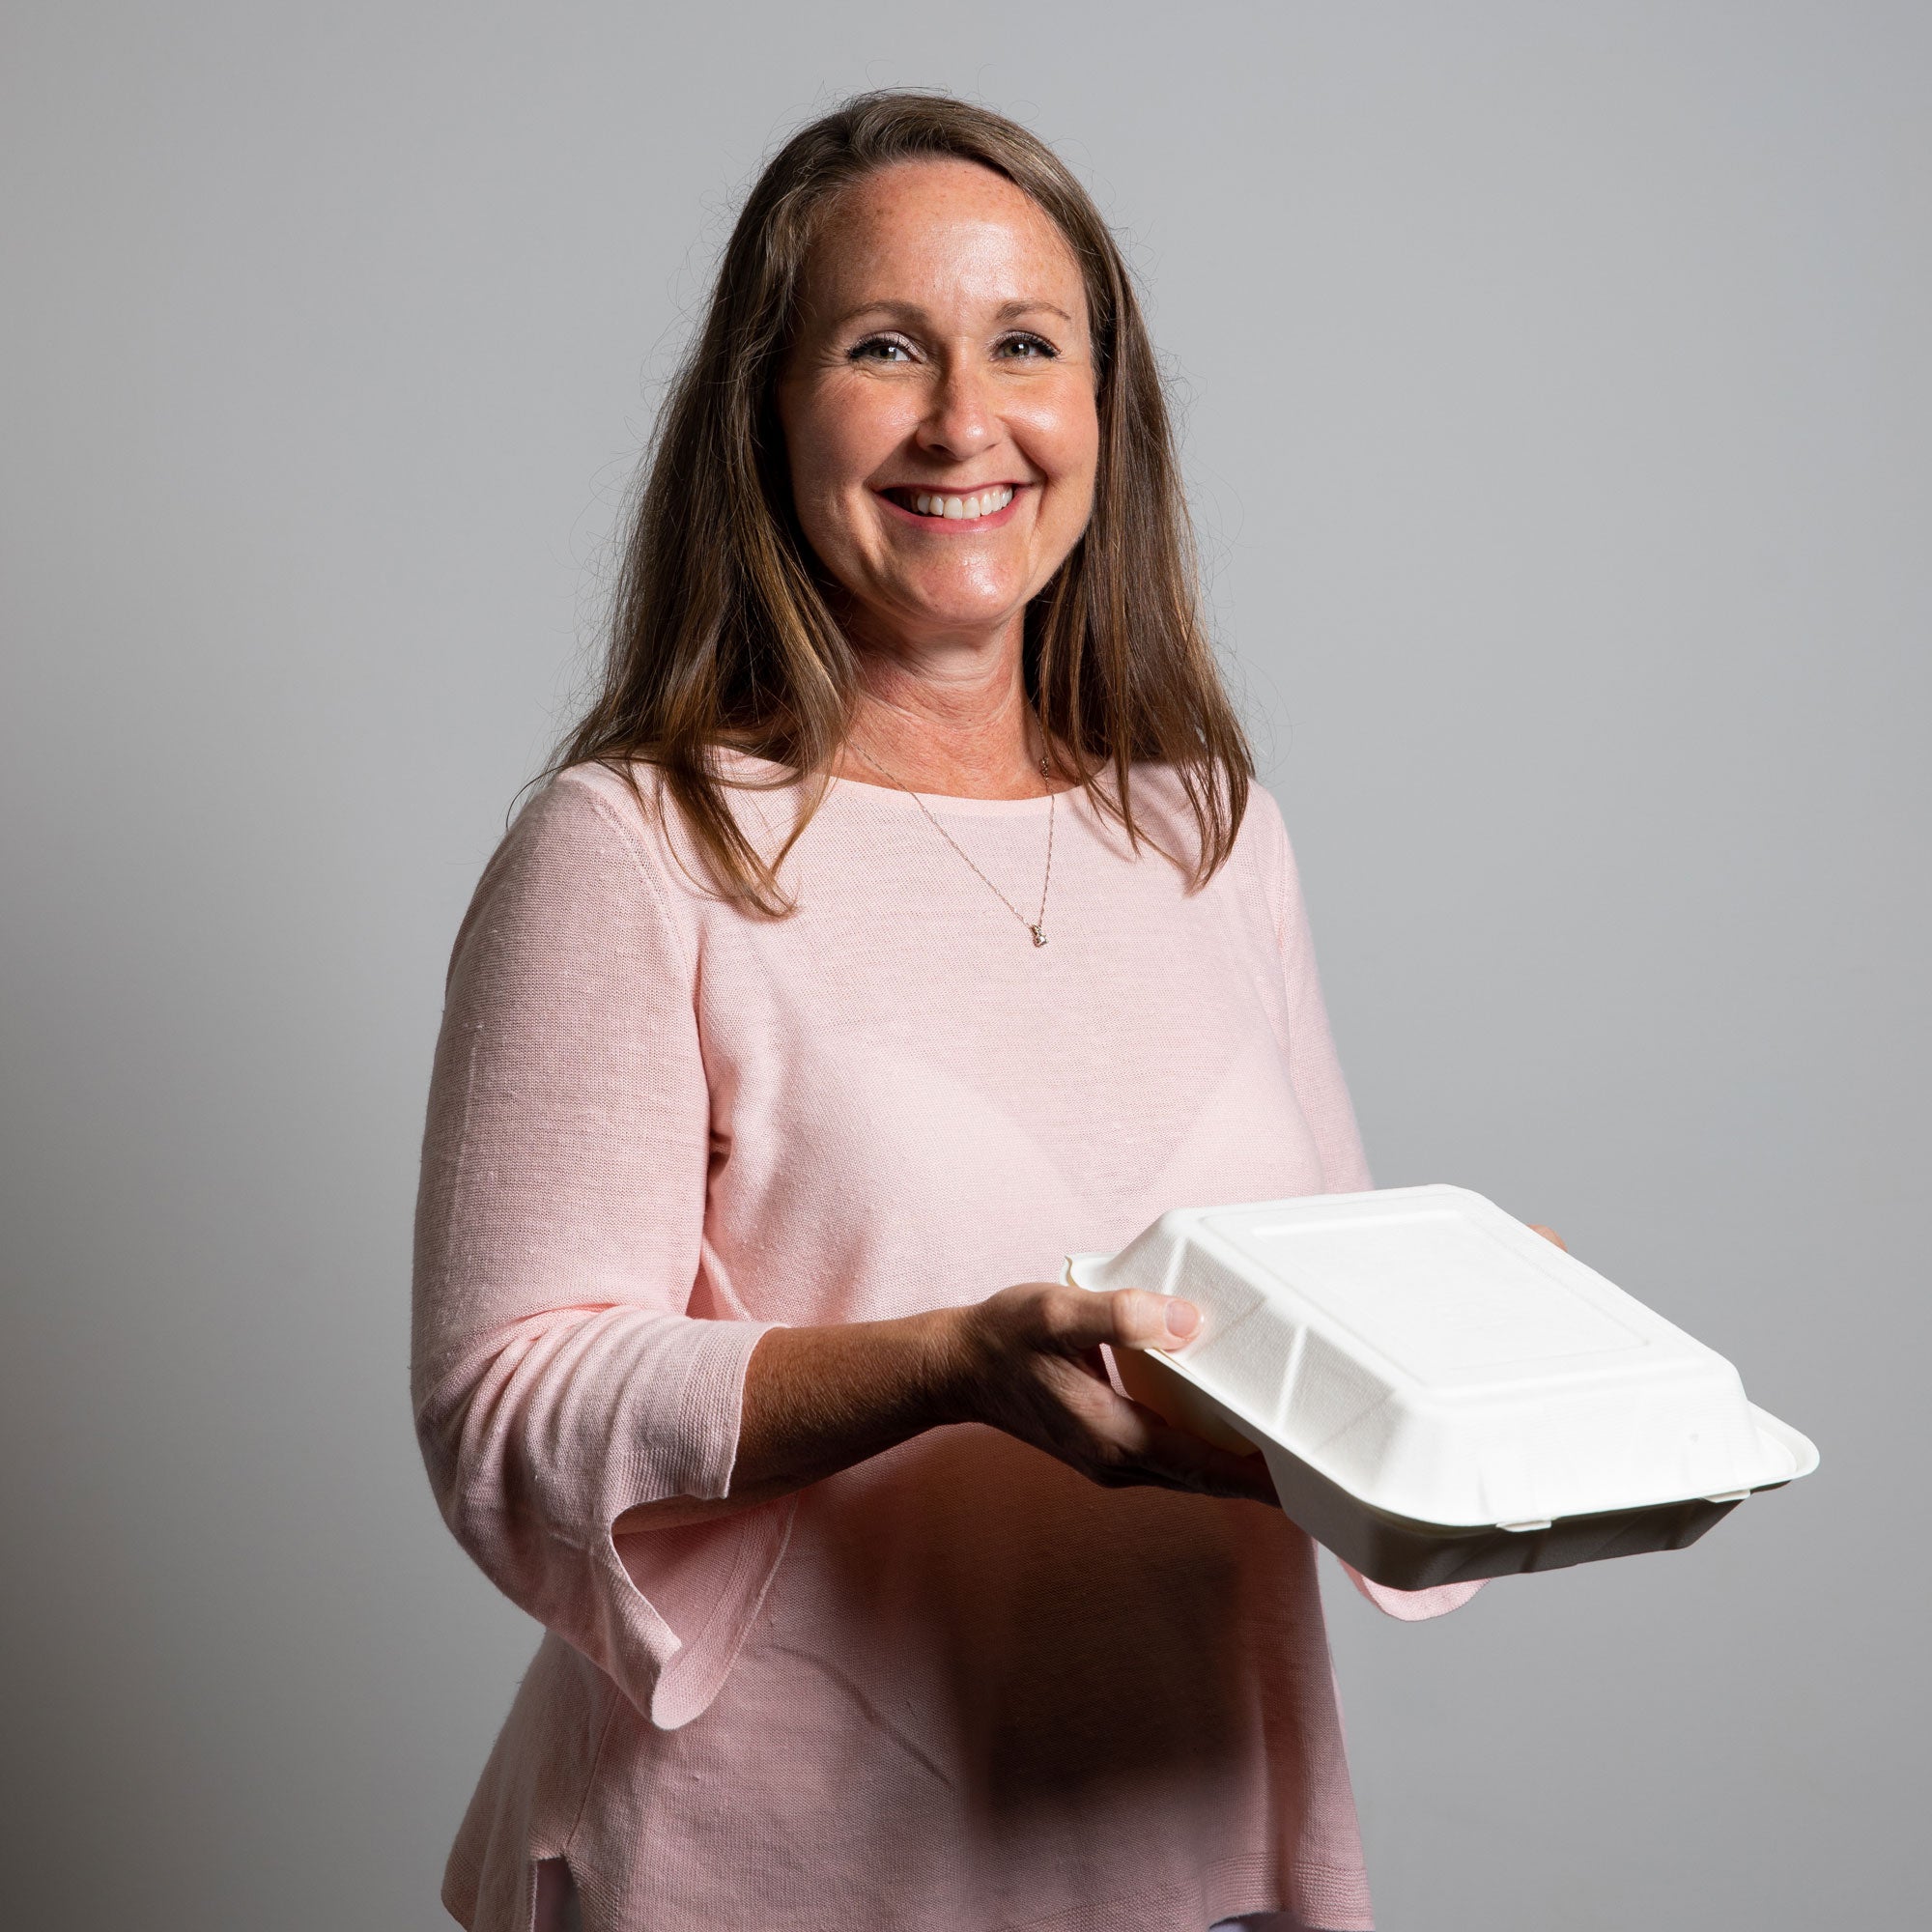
point(918, 613)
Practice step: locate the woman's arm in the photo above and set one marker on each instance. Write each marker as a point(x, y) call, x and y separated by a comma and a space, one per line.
point(1027, 1360)
point(563, 1389)
point(559, 1375)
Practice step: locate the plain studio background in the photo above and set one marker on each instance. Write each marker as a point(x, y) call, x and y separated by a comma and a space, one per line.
point(1556, 410)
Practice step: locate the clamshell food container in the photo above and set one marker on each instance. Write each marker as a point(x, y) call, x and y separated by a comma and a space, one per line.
point(1441, 1393)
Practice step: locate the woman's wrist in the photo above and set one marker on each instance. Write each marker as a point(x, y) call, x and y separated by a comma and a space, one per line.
point(950, 1349)
point(819, 1398)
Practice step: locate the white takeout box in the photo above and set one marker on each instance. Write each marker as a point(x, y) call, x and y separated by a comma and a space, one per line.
point(1441, 1392)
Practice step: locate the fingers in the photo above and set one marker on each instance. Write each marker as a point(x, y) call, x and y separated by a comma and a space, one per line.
point(1076, 1319)
point(1042, 1379)
point(1549, 1235)
point(1137, 1447)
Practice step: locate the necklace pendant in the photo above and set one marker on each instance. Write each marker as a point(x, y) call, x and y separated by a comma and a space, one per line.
point(1038, 937)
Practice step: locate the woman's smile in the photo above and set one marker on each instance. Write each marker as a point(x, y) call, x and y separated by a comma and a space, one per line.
point(955, 509)
point(938, 405)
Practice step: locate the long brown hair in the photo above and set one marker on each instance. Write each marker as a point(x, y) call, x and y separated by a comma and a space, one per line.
point(721, 635)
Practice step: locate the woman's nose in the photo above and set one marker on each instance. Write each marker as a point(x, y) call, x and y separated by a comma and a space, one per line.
point(960, 421)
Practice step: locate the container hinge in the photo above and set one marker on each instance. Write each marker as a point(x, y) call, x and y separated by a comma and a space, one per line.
point(1523, 1528)
point(1729, 1496)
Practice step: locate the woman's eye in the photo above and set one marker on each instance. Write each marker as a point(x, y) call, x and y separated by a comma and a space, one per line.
point(1025, 346)
point(879, 348)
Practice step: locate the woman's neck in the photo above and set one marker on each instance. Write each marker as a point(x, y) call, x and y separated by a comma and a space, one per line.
point(955, 723)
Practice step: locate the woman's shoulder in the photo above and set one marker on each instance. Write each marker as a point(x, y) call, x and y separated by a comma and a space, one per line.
point(574, 876)
point(585, 831)
point(588, 811)
point(628, 799)
point(1164, 811)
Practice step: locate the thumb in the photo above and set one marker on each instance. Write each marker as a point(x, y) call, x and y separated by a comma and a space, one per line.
point(1143, 1320)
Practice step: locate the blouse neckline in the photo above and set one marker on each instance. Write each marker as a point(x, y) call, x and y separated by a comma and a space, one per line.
point(864, 793)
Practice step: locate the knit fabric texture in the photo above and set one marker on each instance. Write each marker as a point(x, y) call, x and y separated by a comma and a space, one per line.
point(957, 1688)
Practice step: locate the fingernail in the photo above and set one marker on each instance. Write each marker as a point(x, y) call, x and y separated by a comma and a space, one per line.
point(1182, 1317)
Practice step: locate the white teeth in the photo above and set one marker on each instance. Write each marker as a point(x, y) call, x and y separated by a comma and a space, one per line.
point(964, 508)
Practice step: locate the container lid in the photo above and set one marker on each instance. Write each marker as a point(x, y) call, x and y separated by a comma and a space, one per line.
point(1439, 1360)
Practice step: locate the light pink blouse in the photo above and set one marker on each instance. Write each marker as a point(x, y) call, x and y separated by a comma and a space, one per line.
point(956, 1688)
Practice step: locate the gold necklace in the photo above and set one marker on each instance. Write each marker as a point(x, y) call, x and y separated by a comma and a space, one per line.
point(1037, 926)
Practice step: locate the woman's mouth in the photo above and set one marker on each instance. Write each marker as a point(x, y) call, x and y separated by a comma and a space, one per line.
point(980, 507)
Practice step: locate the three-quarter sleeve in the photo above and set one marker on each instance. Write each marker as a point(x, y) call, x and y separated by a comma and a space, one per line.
point(1316, 1071)
point(557, 1375)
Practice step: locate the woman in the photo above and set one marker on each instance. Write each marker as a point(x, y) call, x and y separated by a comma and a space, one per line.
point(900, 918)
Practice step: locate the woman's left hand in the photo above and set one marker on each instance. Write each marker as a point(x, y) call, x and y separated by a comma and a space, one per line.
point(1549, 1235)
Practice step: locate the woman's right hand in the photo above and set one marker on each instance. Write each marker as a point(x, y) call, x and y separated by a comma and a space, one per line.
point(1027, 1361)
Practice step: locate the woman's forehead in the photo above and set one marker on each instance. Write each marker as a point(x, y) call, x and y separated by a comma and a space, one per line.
point(939, 233)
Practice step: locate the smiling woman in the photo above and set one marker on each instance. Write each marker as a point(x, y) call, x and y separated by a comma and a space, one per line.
point(917, 299)
point(757, 1136)
point(942, 448)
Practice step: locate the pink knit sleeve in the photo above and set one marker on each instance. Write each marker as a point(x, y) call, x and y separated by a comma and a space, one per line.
point(557, 1375)
point(1316, 1071)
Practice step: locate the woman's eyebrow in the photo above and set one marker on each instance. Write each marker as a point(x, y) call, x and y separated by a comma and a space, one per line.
point(912, 312)
point(1033, 305)
point(901, 311)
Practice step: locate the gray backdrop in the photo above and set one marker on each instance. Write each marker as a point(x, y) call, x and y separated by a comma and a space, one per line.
point(1556, 402)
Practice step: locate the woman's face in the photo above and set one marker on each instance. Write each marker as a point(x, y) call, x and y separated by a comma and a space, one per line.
point(939, 407)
